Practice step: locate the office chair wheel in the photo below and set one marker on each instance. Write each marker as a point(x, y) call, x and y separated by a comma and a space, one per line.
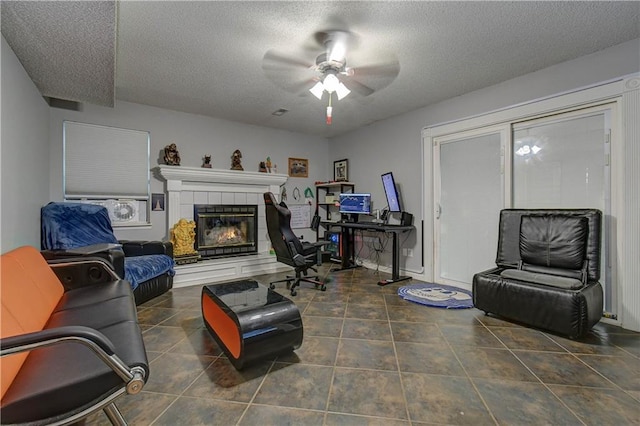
point(272, 286)
point(323, 288)
point(293, 292)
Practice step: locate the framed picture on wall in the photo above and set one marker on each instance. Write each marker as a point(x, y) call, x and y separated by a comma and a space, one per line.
point(298, 167)
point(157, 202)
point(340, 170)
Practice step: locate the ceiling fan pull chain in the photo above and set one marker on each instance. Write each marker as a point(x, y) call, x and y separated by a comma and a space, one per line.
point(329, 110)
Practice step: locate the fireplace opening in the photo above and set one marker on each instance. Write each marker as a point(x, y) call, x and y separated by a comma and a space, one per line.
point(226, 230)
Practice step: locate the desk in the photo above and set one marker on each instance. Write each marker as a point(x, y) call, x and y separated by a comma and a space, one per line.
point(347, 245)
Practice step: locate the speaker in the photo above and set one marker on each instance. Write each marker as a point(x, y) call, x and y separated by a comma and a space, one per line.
point(315, 222)
point(406, 219)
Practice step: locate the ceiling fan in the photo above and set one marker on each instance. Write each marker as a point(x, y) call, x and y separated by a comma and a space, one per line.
point(329, 71)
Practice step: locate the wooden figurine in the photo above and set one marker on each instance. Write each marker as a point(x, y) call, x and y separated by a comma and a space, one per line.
point(236, 160)
point(171, 155)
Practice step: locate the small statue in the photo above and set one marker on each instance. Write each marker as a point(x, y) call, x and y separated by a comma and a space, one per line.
point(268, 164)
point(171, 155)
point(262, 167)
point(183, 237)
point(207, 162)
point(236, 162)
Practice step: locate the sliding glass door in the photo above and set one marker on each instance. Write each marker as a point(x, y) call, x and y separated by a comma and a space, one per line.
point(563, 162)
point(557, 161)
point(469, 194)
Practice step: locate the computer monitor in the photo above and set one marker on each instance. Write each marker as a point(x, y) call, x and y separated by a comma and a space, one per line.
point(355, 203)
point(391, 191)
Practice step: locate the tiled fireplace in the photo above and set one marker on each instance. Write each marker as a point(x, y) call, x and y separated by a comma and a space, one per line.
point(187, 187)
point(225, 230)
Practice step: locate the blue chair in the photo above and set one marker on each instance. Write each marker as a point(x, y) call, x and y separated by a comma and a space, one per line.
point(68, 229)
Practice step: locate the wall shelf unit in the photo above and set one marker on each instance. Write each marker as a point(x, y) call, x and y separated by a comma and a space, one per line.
point(327, 207)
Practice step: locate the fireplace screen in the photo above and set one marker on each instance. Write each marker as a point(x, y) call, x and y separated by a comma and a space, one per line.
point(226, 230)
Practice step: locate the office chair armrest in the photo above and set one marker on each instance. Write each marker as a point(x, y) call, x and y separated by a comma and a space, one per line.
point(298, 258)
point(37, 339)
point(317, 245)
point(99, 344)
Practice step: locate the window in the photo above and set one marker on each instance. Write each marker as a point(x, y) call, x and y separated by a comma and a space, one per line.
point(107, 166)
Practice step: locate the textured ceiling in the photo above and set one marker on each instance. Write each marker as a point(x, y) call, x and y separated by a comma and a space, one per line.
point(207, 57)
point(68, 48)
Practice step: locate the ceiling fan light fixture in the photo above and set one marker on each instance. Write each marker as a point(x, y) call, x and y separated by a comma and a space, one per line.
point(342, 91)
point(331, 83)
point(317, 90)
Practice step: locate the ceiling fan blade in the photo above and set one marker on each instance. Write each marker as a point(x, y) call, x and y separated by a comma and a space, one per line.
point(389, 69)
point(293, 85)
point(302, 86)
point(274, 60)
point(356, 86)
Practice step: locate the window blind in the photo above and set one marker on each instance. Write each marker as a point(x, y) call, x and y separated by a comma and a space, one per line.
point(105, 162)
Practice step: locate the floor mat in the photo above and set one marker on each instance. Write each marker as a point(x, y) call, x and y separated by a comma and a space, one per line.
point(437, 295)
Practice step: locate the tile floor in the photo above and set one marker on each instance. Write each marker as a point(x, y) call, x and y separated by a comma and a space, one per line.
point(371, 358)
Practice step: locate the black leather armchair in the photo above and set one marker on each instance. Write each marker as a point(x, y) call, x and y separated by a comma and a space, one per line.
point(289, 250)
point(71, 229)
point(548, 267)
point(70, 342)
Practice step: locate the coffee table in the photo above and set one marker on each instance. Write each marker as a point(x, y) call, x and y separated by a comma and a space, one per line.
point(250, 321)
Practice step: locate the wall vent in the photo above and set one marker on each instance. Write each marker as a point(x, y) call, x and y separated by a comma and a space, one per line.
point(63, 104)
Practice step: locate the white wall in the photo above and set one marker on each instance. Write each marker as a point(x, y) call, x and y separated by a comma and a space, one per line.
point(396, 144)
point(23, 154)
point(389, 145)
point(195, 136)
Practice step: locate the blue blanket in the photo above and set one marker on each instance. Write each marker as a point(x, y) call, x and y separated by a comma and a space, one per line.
point(138, 269)
point(71, 225)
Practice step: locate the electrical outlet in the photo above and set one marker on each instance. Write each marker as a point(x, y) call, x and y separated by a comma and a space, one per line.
point(409, 252)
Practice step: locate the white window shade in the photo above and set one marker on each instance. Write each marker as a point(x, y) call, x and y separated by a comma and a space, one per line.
point(105, 162)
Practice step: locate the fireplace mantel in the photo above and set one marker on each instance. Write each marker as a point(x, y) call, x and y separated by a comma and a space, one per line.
point(204, 175)
point(187, 186)
point(202, 180)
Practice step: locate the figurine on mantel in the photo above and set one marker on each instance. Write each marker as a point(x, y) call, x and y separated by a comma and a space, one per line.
point(262, 168)
point(207, 162)
point(236, 160)
point(171, 155)
point(268, 164)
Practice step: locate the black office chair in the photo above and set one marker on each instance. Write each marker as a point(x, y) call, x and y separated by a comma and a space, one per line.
point(289, 249)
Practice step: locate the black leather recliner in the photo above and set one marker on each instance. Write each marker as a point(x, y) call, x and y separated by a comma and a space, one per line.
point(67, 228)
point(548, 267)
point(289, 249)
